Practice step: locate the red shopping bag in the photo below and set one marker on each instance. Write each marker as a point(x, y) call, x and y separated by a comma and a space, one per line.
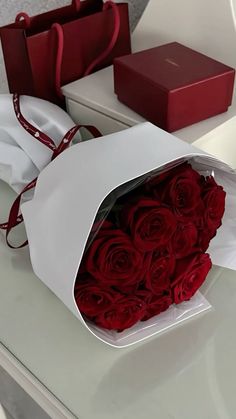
point(43, 52)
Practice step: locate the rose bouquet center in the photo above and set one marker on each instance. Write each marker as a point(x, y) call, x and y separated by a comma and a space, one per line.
point(150, 251)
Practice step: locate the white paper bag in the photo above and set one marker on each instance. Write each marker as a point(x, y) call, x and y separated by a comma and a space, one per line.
point(22, 157)
point(69, 193)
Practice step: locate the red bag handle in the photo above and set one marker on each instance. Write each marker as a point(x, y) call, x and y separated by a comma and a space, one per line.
point(60, 49)
point(113, 40)
point(76, 4)
point(98, 60)
point(24, 17)
point(15, 218)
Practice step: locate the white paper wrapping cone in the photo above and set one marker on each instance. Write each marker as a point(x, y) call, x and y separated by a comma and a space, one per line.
point(22, 157)
point(221, 142)
point(3, 415)
point(69, 193)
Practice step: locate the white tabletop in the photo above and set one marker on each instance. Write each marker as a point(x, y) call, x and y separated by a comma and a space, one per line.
point(96, 92)
point(188, 372)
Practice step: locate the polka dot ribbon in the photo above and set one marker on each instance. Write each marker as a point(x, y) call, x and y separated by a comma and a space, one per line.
point(15, 217)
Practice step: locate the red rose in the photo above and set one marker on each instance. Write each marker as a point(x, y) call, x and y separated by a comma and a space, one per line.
point(92, 299)
point(157, 278)
point(127, 289)
point(182, 190)
point(155, 304)
point(197, 216)
point(184, 240)
point(189, 275)
point(153, 183)
point(124, 313)
point(165, 250)
point(150, 223)
point(204, 238)
point(113, 260)
point(214, 200)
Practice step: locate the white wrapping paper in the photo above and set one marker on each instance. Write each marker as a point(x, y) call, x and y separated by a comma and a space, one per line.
point(69, 193)
point(220, 142)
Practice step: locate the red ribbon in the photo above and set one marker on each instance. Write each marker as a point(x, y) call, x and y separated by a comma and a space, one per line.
point(14, 217)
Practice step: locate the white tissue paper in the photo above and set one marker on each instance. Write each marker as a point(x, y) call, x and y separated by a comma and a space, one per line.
point(22, 157)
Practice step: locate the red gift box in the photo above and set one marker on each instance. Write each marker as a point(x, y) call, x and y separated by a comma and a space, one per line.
point(173, 86)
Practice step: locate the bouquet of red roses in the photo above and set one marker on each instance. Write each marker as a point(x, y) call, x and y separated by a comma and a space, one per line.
point(119, 228)
point(149, 253)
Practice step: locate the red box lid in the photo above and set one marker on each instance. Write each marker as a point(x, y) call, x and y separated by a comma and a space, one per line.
point(173, 86)
point(173, 65)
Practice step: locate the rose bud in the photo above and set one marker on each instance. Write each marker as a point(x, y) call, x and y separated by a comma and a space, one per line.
point(124, 313)
point(182, 190)
point(189, 275)
point(214, 200)
point(92, 299)
point(113, 260)
point(155, 304)
point(184, 240)
point(160, 269)
point(150, 223)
